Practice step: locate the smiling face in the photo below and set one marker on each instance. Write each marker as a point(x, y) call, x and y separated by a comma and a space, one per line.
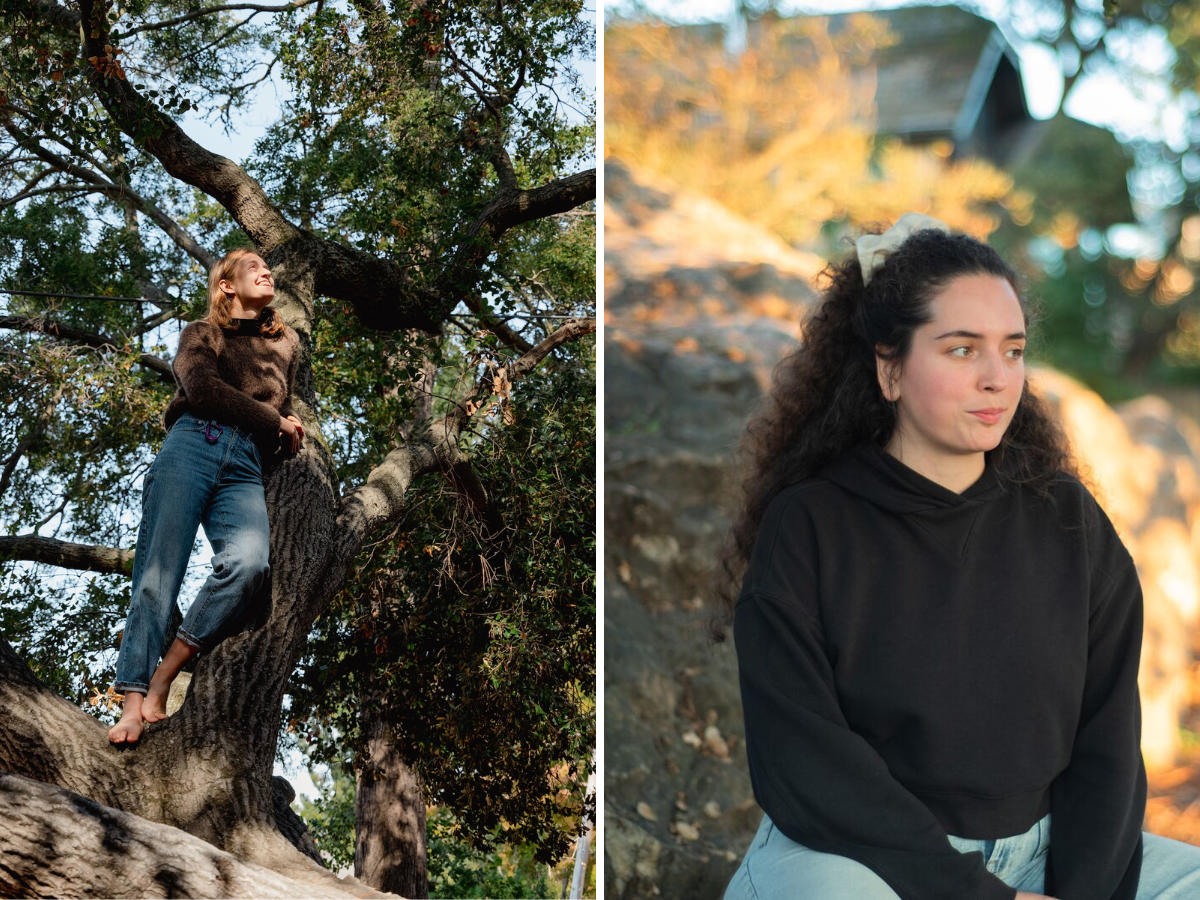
point(251, 283)
point(969, 358)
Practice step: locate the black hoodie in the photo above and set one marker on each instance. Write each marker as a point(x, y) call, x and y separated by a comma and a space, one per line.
point(916, 662)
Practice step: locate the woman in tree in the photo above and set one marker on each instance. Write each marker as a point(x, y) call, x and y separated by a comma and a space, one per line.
point(231, 413)
point(938, 629)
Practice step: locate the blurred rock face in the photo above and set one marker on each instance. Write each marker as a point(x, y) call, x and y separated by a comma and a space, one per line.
point(699, 306)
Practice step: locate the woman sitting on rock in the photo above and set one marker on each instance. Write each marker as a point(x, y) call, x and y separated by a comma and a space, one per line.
point(938, 629)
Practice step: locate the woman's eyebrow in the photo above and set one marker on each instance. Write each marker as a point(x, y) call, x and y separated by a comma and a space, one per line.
point(1015, 336)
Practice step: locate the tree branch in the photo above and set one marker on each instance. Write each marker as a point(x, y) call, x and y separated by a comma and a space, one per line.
point(208, 11)
point(381, 292)
point(67, 555)
point(115, 191)
point(153, 322)
point(56, 189)
point(60, 16)
point(35, 432)
point(382, 497)
point(511, 208)
point(39, 325)
point(184, 159)
point(506, 334)
point(29, 186)
point(55, 843)
point(108, 171)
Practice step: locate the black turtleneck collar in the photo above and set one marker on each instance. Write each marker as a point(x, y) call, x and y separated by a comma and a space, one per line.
point(252, 327)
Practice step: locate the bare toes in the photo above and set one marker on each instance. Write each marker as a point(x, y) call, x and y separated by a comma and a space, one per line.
point(125, 733)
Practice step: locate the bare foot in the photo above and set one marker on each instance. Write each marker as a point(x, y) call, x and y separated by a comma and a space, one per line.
point(154, 707)
point(127, 731)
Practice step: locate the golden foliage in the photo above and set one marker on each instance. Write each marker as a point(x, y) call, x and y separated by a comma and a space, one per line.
point(782, 132)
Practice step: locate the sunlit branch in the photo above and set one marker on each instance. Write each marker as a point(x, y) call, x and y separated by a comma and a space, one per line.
point(208, 11)
point(383, 497)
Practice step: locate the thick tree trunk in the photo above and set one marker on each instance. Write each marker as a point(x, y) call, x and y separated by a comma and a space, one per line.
point(55, 843)
point(389, 839)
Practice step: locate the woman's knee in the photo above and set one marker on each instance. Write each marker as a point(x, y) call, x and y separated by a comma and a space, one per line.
point(247, 559)
point(780, 867)
point(1170, 869)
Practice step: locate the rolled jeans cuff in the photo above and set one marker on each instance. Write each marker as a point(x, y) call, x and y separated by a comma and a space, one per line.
point(188, 639)
point(125, 688)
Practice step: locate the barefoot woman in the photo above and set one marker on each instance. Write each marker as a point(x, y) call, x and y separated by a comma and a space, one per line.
point(231, 414)
point(938, 629)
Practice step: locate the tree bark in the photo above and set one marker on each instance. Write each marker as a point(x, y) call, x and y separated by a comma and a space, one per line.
point(389, 838)
point(87, 557)
point(55, 843)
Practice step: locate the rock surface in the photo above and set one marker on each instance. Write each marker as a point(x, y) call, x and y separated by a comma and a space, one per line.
point(699, 305)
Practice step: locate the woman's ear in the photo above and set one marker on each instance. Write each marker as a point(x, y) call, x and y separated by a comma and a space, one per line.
point(886, 372)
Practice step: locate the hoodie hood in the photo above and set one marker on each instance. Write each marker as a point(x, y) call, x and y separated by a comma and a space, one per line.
point(870, 472)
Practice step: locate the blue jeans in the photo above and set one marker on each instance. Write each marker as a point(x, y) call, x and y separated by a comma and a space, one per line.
point(209, 474)
point(776, 867)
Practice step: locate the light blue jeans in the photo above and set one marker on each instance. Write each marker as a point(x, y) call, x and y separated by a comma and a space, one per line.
point(775, 868)
point(207, 473)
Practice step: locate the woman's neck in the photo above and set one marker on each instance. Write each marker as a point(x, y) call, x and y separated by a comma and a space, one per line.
point(240, 310)
point(954, 472)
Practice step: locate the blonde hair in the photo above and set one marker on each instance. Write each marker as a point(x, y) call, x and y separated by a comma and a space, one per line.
point(220, 304)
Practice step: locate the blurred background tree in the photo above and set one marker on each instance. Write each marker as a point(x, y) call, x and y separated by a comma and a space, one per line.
point(804, 123)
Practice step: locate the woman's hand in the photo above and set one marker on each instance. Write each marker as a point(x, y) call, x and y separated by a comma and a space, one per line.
point(1025, 895)
point(293, 429)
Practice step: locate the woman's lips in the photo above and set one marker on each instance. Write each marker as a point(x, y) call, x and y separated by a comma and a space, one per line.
point(989, 416)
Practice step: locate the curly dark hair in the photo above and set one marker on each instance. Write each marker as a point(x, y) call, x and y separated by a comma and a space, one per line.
point(825, 396)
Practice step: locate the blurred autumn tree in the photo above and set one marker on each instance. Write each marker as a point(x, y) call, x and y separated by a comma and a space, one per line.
point(780, 132)
point(425, 202)
point(1127, 315)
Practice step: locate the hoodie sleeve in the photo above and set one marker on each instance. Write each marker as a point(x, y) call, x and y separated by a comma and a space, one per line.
point(1098, 802)
point(822, 784)
point(195, 368)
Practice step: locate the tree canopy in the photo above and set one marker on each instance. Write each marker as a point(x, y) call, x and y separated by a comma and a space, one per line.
point(423, 196)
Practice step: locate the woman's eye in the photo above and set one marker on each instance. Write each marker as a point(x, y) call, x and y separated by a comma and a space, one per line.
point(1019, 351)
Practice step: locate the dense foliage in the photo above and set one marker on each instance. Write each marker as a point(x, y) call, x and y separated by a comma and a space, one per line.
point(476, 642)
point(399, 130)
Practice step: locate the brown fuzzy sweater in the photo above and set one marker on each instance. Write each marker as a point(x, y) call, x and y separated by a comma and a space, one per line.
point(237, 376)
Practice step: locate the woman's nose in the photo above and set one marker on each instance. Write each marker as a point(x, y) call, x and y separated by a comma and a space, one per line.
point(994, 374)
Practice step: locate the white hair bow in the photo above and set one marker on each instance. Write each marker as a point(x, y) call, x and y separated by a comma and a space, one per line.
point(874, 248)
